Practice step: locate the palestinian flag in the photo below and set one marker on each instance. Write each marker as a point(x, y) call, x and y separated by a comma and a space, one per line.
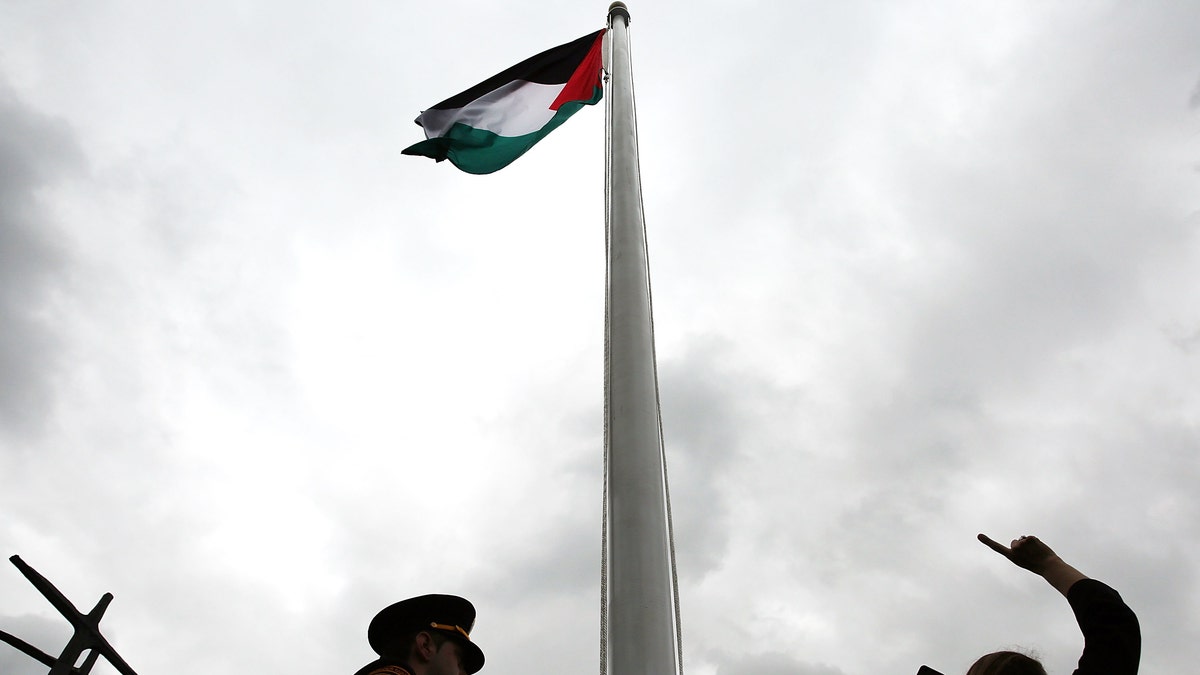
point(489, 125)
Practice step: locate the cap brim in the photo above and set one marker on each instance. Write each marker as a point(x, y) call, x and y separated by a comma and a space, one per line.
point(472, 656)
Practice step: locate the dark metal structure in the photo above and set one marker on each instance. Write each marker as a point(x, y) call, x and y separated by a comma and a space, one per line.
point(87, 631)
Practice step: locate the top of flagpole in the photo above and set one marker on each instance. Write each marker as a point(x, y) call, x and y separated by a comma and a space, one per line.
point(618, 8)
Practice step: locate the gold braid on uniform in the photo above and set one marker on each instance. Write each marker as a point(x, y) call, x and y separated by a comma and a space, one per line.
point(389, 670)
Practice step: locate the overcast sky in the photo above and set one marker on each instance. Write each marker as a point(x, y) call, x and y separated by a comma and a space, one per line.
point(921, 270)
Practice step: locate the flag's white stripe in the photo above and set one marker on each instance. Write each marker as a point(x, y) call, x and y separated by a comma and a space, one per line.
point(516, 109)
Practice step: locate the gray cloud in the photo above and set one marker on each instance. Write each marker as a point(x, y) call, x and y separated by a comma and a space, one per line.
point(920, 271)
point(49, 636)
point(771, 663)
point(717, 414)
point(36, 153)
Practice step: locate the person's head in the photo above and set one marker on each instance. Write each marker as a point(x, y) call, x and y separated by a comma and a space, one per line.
point(430, 652)
point(1006, 663)
point(429, 634)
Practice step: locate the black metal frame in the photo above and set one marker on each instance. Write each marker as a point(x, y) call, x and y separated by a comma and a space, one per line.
point(87, 631)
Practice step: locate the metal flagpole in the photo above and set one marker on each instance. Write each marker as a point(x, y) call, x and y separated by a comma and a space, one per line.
point(639, 613)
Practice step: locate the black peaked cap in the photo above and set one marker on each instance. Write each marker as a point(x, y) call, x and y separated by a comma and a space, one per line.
point(450, 612)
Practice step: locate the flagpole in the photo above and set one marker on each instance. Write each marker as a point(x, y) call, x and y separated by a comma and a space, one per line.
point(639, 612)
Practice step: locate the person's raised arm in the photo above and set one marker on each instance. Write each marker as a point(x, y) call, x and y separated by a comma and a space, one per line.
point(1033, 555)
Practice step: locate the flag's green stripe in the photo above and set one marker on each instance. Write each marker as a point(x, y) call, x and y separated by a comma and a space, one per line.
point(477, 151)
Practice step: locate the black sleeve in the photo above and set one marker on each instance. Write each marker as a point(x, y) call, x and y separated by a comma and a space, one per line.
point(1112, 639)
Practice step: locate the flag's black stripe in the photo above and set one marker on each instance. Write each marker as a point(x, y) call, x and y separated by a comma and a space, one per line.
point(553, 66)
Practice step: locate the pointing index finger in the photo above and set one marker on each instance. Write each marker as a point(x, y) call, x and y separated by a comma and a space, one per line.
point(994, 545)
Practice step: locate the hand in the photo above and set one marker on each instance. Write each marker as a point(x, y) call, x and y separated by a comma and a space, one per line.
point(1033, 555)
point(1027, 552)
